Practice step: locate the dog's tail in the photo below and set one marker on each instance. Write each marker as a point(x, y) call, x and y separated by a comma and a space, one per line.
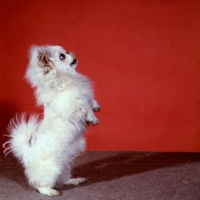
point(22, 135)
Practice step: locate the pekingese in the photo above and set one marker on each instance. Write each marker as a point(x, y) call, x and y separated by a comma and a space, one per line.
point(47, 147)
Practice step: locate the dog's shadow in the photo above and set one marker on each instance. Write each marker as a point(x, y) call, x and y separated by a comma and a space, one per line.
point(120, 164)
point(7, 110)
point(10, 167)
point(108, 166)
point(12, 170)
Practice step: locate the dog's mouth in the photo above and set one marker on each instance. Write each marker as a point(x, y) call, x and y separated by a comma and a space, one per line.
point(74, 62)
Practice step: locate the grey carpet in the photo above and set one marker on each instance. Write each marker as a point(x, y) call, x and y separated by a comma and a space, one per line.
point(116, 175)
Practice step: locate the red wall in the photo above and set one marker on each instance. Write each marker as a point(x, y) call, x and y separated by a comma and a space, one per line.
point(143, 56)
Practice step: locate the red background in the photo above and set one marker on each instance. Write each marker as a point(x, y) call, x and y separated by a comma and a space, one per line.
point(143, 56)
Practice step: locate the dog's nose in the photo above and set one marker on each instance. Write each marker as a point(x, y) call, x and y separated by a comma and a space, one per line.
point(75, 61)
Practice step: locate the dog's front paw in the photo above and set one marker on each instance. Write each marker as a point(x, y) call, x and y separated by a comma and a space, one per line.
point(94, 122)
point(96, 106)
point(97, 109)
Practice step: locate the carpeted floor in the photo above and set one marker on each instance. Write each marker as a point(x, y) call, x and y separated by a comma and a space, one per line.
point(116, 175)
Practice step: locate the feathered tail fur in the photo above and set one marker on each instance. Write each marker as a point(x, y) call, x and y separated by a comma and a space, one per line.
point(22, 135)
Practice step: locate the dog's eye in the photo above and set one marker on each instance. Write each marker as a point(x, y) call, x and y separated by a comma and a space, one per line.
point(62, 56)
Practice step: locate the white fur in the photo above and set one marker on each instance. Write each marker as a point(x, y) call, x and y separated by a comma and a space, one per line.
point(47, 148)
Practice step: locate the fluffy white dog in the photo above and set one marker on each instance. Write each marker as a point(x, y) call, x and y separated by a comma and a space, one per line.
point(48, 147)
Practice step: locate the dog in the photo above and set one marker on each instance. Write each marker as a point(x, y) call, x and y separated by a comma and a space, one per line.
point(47, 147)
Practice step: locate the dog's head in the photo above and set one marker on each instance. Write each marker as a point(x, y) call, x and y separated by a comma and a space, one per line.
point(48, 61)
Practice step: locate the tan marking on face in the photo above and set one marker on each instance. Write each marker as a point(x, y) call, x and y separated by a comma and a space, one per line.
point(45, 62)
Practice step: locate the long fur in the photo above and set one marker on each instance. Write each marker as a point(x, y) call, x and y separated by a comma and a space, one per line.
point(47, 148)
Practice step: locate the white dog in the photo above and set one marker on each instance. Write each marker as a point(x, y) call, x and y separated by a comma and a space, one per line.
point(48, 147)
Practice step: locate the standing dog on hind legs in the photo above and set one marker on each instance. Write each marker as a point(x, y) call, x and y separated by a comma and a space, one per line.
point(47, 148)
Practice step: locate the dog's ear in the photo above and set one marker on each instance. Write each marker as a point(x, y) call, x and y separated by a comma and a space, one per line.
point(45, 60)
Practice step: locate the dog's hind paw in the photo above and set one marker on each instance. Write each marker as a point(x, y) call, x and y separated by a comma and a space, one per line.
point(75, 181)
point(48, 191)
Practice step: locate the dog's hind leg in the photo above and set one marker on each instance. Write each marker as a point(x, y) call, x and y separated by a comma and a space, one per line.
point(43, 177)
